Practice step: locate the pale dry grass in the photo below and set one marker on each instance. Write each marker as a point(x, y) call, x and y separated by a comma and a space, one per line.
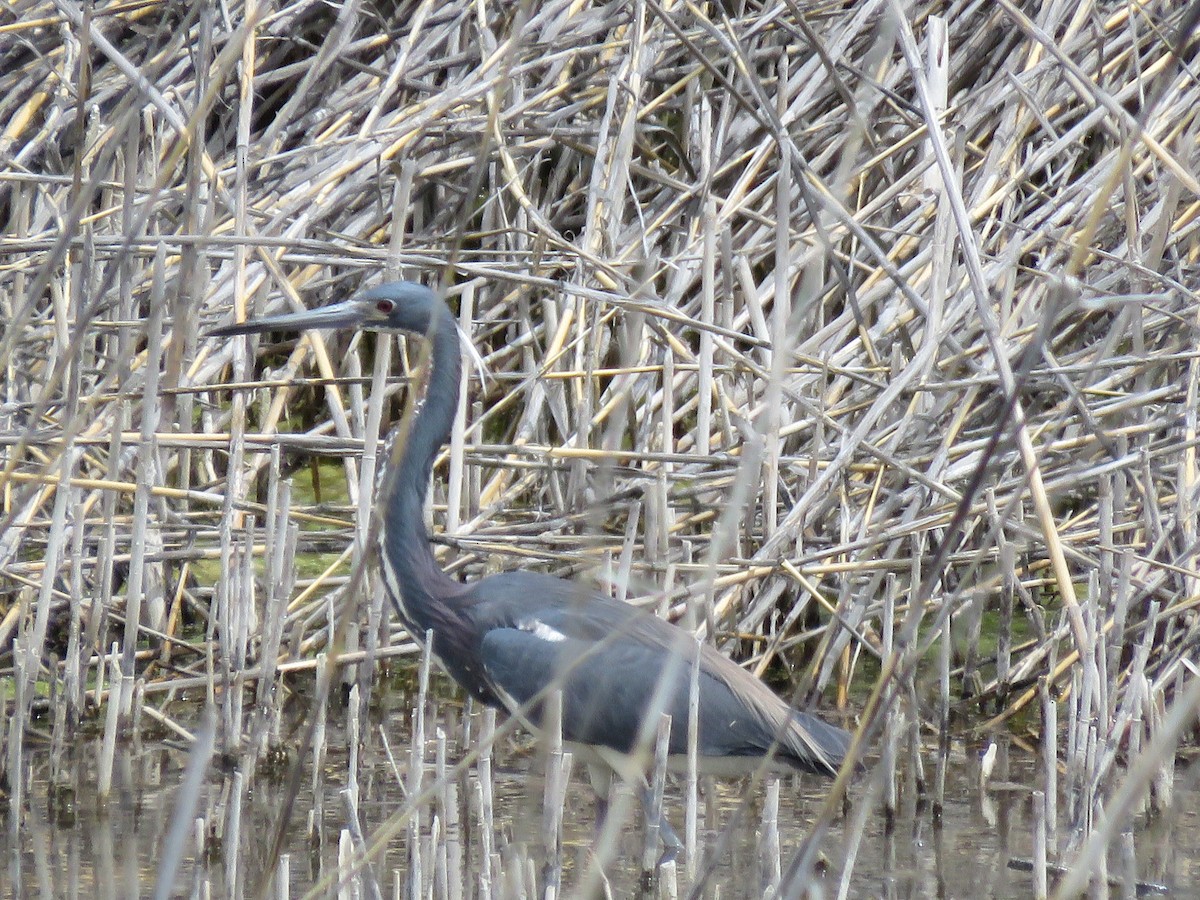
point(790, 332)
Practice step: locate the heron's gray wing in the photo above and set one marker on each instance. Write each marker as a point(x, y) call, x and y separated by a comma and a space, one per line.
point(609, 687)
point(616, 664)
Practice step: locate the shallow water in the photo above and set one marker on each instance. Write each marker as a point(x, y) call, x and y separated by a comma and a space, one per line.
point(65, 842)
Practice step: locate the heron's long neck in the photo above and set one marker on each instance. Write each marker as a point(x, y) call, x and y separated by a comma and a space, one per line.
point(418, 579)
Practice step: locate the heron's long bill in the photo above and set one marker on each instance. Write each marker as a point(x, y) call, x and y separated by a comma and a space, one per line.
point(346, 314)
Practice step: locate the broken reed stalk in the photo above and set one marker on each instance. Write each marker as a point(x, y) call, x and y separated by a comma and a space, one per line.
point(485, 824)
point(1040, 845)
point(416, 767)
point(283, 877)
point(231, 843)
point(770, 867)
point(112, 716)
point(626, 262)
point(692, 784)
point(557, 766)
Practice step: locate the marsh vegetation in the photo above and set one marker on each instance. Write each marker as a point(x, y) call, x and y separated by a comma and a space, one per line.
point(858, 338)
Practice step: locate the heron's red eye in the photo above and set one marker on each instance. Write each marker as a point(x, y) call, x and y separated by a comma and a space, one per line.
point(385, 306)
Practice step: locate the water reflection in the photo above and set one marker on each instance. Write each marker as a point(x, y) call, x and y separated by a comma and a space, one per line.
point(65, 843)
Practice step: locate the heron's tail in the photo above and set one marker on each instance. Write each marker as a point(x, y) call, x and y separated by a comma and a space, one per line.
point(814, 745)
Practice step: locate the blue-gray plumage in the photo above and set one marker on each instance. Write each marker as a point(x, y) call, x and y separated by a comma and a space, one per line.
point(508, 638)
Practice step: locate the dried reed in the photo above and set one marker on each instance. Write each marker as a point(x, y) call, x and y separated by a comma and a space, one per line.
point(862, 356)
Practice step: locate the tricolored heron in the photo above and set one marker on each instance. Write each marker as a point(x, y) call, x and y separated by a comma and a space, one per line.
point(510, 638)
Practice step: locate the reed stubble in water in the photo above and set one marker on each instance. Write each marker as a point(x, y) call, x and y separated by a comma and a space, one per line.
point(764, 190)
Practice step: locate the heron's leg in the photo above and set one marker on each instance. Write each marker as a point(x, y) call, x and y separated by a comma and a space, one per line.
point(672, 845)
point(601, 778)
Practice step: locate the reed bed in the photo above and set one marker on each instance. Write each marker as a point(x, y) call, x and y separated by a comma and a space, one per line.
point(858, 338)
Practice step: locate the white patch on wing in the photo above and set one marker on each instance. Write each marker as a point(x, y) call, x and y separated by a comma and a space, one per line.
point(541, 630)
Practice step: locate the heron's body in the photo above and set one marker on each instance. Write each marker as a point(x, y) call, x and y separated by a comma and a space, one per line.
point(507, 637)
point(510, 639)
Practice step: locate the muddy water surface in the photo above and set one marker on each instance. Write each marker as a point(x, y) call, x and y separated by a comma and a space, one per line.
point(65, 842)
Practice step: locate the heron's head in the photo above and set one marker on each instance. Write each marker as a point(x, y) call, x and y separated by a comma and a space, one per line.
point(395, 306)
